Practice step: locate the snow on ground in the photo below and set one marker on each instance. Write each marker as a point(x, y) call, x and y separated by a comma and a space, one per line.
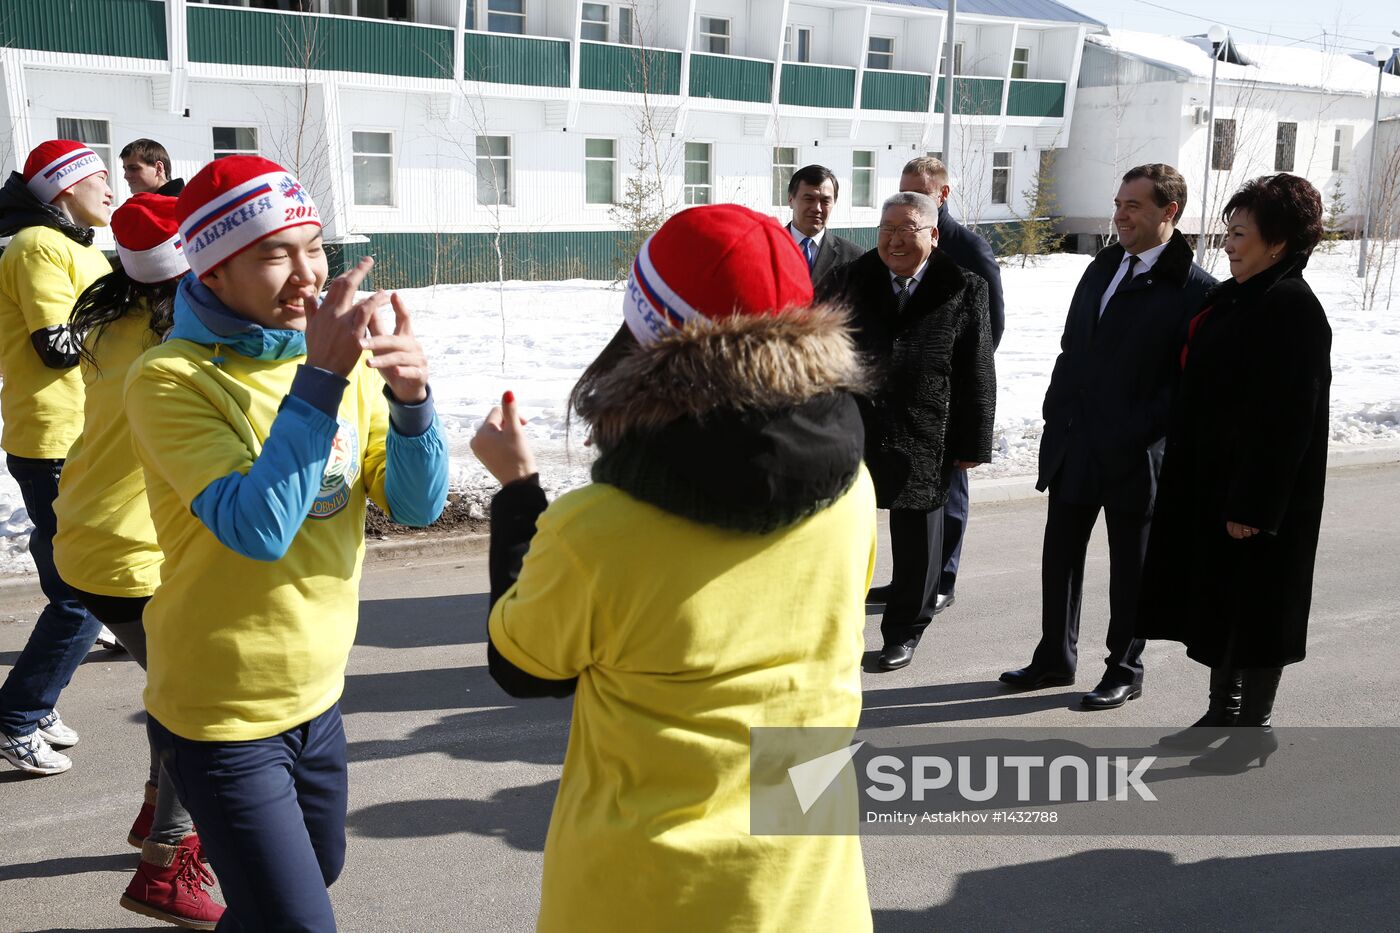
point(549, 332)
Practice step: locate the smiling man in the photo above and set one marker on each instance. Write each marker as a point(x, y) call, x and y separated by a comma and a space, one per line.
point(812, 193)
point(1105, 425)
point(923, 321)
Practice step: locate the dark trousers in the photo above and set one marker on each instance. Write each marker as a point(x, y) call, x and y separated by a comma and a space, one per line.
point(64, 632)
point(916, 546)
point(1067, 530)
point(954, 525)
point(271, 817)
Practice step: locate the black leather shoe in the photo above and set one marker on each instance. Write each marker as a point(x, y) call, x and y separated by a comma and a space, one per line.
point(1033, 678)
point(941, 602)
point(878, 595)
point(1110, 696)
point(893, 657)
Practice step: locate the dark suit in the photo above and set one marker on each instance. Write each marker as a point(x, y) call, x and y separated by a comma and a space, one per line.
point(933, 402)
point(832, 252)
point(1106, 416)
point(974, 254)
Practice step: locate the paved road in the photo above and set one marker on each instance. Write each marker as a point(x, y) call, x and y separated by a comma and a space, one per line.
point(452, 782)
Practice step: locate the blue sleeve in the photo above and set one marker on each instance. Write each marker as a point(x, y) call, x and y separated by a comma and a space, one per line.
point(415, 479)
point(257, 514)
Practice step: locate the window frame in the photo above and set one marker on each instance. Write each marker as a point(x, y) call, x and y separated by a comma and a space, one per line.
point(391, 156)
point(613, 161)
point(701, 35)
point(708, 185)
point(1006, 171)
point(113, 172)
point(523, 16)
point(870, 51)
point(957, 60)
point(606, 22)
point(627, 11)
point(225, 153)
point(793, 40)
point(508, 158)
point(1225, 135)
point(1291, 148)
point(857, 170)
point(325, 6)
point(782, 173)
point(1025, 63)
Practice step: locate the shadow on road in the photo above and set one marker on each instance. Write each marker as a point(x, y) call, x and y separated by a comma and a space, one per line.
point(423, 622)
point(518, 815)
point(956, 702)
point(72, 865)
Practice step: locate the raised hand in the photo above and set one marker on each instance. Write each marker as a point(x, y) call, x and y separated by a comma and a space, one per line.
point(501, 446)
point(398, 356)
point(335, 326)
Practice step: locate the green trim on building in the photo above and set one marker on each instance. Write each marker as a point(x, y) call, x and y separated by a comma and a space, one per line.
point(1036, 99)
point(817, 86)
point(232, 36)
point(730, 78)
point(973, 96)
point(892, 90)
point(130, 28)
point(515, 60)
point(628, 68)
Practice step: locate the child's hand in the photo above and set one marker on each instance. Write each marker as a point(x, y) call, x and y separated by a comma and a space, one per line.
point(501, 446)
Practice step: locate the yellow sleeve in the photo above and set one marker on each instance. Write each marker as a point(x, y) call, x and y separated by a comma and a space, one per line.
point(544, 624)
point(371, 387)
point(45, 288)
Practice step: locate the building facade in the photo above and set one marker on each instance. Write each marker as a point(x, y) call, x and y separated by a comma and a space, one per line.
point(432, 131)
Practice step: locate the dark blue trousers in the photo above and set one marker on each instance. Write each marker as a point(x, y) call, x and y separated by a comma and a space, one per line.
point(271, 817)
point(64, 632)
point(954, 525)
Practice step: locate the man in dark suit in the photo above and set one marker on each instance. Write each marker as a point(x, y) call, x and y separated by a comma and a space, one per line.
point(812, 193)
point(1105, 425)
point(929, 176)
point(923, 322)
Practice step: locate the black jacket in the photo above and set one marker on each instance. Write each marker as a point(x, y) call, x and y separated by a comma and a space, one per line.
point(834, 252)
point(1248, 444)
point(934, 399)
point(19, 208)
point(1110, 393)
point(172, 188)
point(973, 253)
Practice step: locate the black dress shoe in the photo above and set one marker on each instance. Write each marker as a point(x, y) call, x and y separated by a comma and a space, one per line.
point(893, 657)
point(941, 602)
point(1110, 696)
point(1033, 678)
point(878, 595)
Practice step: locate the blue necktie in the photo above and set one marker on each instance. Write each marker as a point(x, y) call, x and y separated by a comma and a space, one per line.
point(809, 250)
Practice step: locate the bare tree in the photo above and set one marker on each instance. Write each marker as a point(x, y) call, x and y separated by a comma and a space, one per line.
point(1383, 247)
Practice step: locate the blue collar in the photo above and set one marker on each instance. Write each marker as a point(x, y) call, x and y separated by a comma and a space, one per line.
point(200, 317)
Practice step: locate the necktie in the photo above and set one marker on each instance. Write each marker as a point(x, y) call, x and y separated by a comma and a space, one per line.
point(1132, 265)
point(1127, 277)
point(809, 249)
point(901, 297)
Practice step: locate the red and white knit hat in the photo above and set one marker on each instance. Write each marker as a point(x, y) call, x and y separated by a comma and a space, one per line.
point(713, 262)
point(57, 165)
point(148, 238)
point(234, 202)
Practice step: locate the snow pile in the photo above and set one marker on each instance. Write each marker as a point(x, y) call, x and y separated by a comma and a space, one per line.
point(551, 330)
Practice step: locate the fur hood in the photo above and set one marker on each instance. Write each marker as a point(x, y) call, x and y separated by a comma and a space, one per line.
point(735, 365)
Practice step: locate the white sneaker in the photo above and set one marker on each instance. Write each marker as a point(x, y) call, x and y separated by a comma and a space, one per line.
point(31, 753)
point(53, 730)
point(106, 639)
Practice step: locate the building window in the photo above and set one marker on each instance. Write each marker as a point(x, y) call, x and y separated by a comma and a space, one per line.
point(784, 164)
point(95, 134)
point(1222, 154)
point(1285, 147)
point(235, 140)
point(1021, 63)
point(697, 173)
point(934, 154)
point(880, 53)
point(1341, 149)
point(797, 44)
point(372, 167)
point(863, 178)
point(627, 25)
point(493, 170)
point(506, 16)
point(595, 22)
point(957, 60)
point(471, 14)
point(714, 35)
point(401, 10)
point(599, 171)
point(1001, 178)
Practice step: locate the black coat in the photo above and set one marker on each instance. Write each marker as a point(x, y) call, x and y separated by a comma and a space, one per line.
point(833, 253)
point(974, 254)
point(934, 399)
point(172, 188)
point(1247, 444)
point(1110, 393)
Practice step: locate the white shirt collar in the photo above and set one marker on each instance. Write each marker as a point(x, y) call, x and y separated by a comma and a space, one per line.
point(798, 236)
point(1147, 258)
point(918, 275)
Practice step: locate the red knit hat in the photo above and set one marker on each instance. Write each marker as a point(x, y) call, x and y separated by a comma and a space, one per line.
point(713, 262)
point(233, 203)
point(57, 165)
point(148, 238)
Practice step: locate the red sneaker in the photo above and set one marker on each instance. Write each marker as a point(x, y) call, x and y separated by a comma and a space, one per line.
point(142, 827)
point(171, 885)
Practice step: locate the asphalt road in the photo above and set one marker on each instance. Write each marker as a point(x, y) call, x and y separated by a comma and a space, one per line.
point(452, 781)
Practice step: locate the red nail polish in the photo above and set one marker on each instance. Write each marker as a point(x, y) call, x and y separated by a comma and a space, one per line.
point(509, 397)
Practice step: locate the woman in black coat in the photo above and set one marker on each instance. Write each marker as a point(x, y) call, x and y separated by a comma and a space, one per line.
point(1230, 557)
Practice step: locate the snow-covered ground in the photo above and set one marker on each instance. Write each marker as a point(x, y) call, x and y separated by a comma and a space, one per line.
point(549, 331)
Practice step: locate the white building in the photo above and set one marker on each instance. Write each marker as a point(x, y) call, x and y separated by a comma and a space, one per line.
point(1144, 98)
point(425, 127)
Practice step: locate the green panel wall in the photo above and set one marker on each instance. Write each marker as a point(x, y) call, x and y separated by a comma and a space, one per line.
point(133, 28)
point(888, 90)
point(816, 86)
point(515, 60)
point(290, 40)
point(628, 68)
point(974, 96)
point(731, 78)
point(1036, 99)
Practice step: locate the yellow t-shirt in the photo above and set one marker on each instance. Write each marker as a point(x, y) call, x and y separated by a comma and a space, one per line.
point(106, 543)
point(238, 648)
point(684, 636)
point(42, 273)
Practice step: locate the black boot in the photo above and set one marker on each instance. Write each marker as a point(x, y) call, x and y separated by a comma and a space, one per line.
point(1253, 736)
point(1226, 686)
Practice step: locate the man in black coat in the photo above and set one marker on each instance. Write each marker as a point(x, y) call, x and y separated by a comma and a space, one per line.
point(1105, 422)
point(147, 168)
point(924, 324)
point(929, 176)
point(812, 193)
